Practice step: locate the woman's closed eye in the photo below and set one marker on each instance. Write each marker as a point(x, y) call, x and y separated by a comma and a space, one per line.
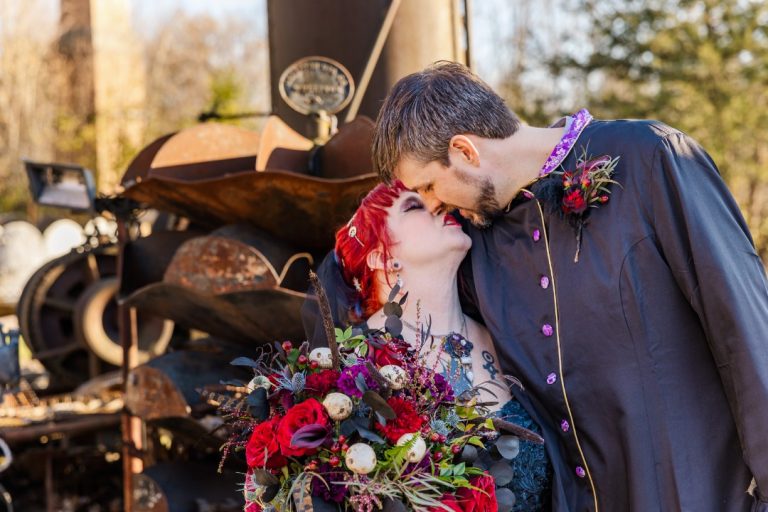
point(413, 203)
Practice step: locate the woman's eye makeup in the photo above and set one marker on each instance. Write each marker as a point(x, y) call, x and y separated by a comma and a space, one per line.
point(412, 204)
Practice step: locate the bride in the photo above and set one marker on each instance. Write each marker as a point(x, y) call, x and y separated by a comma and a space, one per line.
point(392, 239)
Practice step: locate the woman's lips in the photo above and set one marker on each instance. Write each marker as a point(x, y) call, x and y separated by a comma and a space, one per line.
point(450, 220)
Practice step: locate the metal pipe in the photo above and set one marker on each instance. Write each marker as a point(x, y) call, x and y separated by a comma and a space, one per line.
point(373, 59)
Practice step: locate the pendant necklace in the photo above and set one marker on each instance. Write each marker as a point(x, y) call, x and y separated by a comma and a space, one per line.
point(459, 348)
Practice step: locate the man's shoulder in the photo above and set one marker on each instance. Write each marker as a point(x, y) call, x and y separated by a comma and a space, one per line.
point(646, 132)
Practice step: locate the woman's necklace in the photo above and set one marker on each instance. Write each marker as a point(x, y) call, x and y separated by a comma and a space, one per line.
point(459, 348)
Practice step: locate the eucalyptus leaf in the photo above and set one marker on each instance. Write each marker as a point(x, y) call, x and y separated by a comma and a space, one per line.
point(244, 361)
point(347, 427)
point(393, 308)
point(264, 477)
point(468, 454)
point(502, 472)
point(393, 325)
point(394, 505)
point(508, 446)
point(258, 405)
point(393, 293)
point(505, 498)
point(370, 436)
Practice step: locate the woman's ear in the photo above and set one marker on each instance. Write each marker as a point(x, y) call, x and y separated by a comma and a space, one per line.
point(462, 148)
point(375, 260)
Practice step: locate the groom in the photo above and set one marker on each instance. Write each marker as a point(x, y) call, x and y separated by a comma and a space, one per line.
point(636, 317)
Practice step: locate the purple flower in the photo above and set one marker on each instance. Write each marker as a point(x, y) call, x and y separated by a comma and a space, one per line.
point(331, 491)
point(347, 381)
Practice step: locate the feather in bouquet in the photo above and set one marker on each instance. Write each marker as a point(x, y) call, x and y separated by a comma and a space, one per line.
point(361, 425)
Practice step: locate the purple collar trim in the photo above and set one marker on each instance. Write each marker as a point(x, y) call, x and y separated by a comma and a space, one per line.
point(579, 121)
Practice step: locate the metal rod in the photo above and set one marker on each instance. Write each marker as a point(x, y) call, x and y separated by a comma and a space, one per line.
point(126, 340)
point(373, 59)
point(467, 30)
point(27, 433)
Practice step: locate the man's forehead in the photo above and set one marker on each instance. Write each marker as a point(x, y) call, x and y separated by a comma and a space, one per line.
point(414, 174)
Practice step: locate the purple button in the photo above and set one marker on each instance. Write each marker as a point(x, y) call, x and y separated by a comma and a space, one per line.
point(580, 472)
point(565, 426)
point(527, 194)
point(547, 330)
point(544, 282)
point(536, 235)
point(551, 378)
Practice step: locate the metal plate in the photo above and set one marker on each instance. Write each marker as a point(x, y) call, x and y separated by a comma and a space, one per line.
point(301, 210)
point(257, 316)
point(316, 84)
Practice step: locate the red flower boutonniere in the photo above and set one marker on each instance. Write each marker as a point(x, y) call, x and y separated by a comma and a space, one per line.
point(587, 186)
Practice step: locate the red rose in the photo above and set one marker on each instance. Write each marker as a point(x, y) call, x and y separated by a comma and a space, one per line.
point(322, 382)
point(391, 353)
point(482, 500)
point(472, 500)
point(574, 202)
point(308, 412)
point(406, 420)
point(262, 448)
point(448, 500)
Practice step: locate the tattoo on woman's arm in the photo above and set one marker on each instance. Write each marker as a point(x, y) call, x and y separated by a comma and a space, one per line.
point(490, 360)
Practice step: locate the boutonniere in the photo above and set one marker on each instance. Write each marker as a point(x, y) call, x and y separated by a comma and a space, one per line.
point(586, 186)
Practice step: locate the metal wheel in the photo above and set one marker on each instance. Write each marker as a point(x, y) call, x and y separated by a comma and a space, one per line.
point(52, 317)
point(96, 324)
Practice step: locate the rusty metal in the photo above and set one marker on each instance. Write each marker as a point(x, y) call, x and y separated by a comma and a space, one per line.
point(68, 307)
point(46, 313)
point(233, 284)
point(75, 426)
point(170, 386)
point(348, 153)
point(282, 148)
point(301, 210)
point(166, 488)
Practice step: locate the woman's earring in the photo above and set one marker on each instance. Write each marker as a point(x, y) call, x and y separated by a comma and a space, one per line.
point(399, 281)
point(396, 265)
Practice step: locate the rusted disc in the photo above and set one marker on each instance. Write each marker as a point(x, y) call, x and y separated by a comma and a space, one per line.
point(96, 324)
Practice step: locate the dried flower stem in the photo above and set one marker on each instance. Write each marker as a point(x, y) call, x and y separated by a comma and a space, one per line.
point(325, 312)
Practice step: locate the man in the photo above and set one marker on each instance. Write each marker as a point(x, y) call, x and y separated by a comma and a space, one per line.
point(639, 329)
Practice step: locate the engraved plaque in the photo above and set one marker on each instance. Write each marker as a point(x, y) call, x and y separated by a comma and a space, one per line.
point(316, 84)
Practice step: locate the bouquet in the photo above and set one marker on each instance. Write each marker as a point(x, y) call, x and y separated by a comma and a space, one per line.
point(364, 424)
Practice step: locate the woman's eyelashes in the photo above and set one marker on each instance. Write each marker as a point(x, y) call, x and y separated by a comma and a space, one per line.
point(412, 204)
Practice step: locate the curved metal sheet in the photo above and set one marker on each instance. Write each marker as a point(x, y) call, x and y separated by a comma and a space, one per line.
point(302, 210)
point(254, 316)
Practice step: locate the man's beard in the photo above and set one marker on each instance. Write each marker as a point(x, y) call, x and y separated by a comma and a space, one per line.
point(486, 207)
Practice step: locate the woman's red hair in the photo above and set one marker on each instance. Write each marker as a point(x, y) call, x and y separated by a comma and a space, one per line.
point(370, 230)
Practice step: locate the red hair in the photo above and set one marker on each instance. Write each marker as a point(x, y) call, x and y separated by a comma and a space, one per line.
point(370, 230)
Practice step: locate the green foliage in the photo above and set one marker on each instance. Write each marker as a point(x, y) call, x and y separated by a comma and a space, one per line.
point(698, 65)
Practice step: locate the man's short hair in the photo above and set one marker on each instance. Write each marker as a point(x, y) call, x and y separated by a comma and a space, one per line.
point(424, 110)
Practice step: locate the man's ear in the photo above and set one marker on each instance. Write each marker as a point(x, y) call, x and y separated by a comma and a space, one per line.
point(375, 260)
point(464, 150)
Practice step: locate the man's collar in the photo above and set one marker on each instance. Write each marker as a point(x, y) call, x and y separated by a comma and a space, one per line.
point(574, 125)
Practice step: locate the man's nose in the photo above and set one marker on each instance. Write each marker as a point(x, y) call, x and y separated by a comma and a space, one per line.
point(434, 205)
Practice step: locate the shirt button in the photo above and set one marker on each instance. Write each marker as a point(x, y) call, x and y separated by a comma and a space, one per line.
point(547, 330)
point(580, 472)
point(565, 426)
point(536, 235)
point(551, 378)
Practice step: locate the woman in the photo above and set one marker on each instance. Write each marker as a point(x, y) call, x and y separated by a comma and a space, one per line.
point(394, 240)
